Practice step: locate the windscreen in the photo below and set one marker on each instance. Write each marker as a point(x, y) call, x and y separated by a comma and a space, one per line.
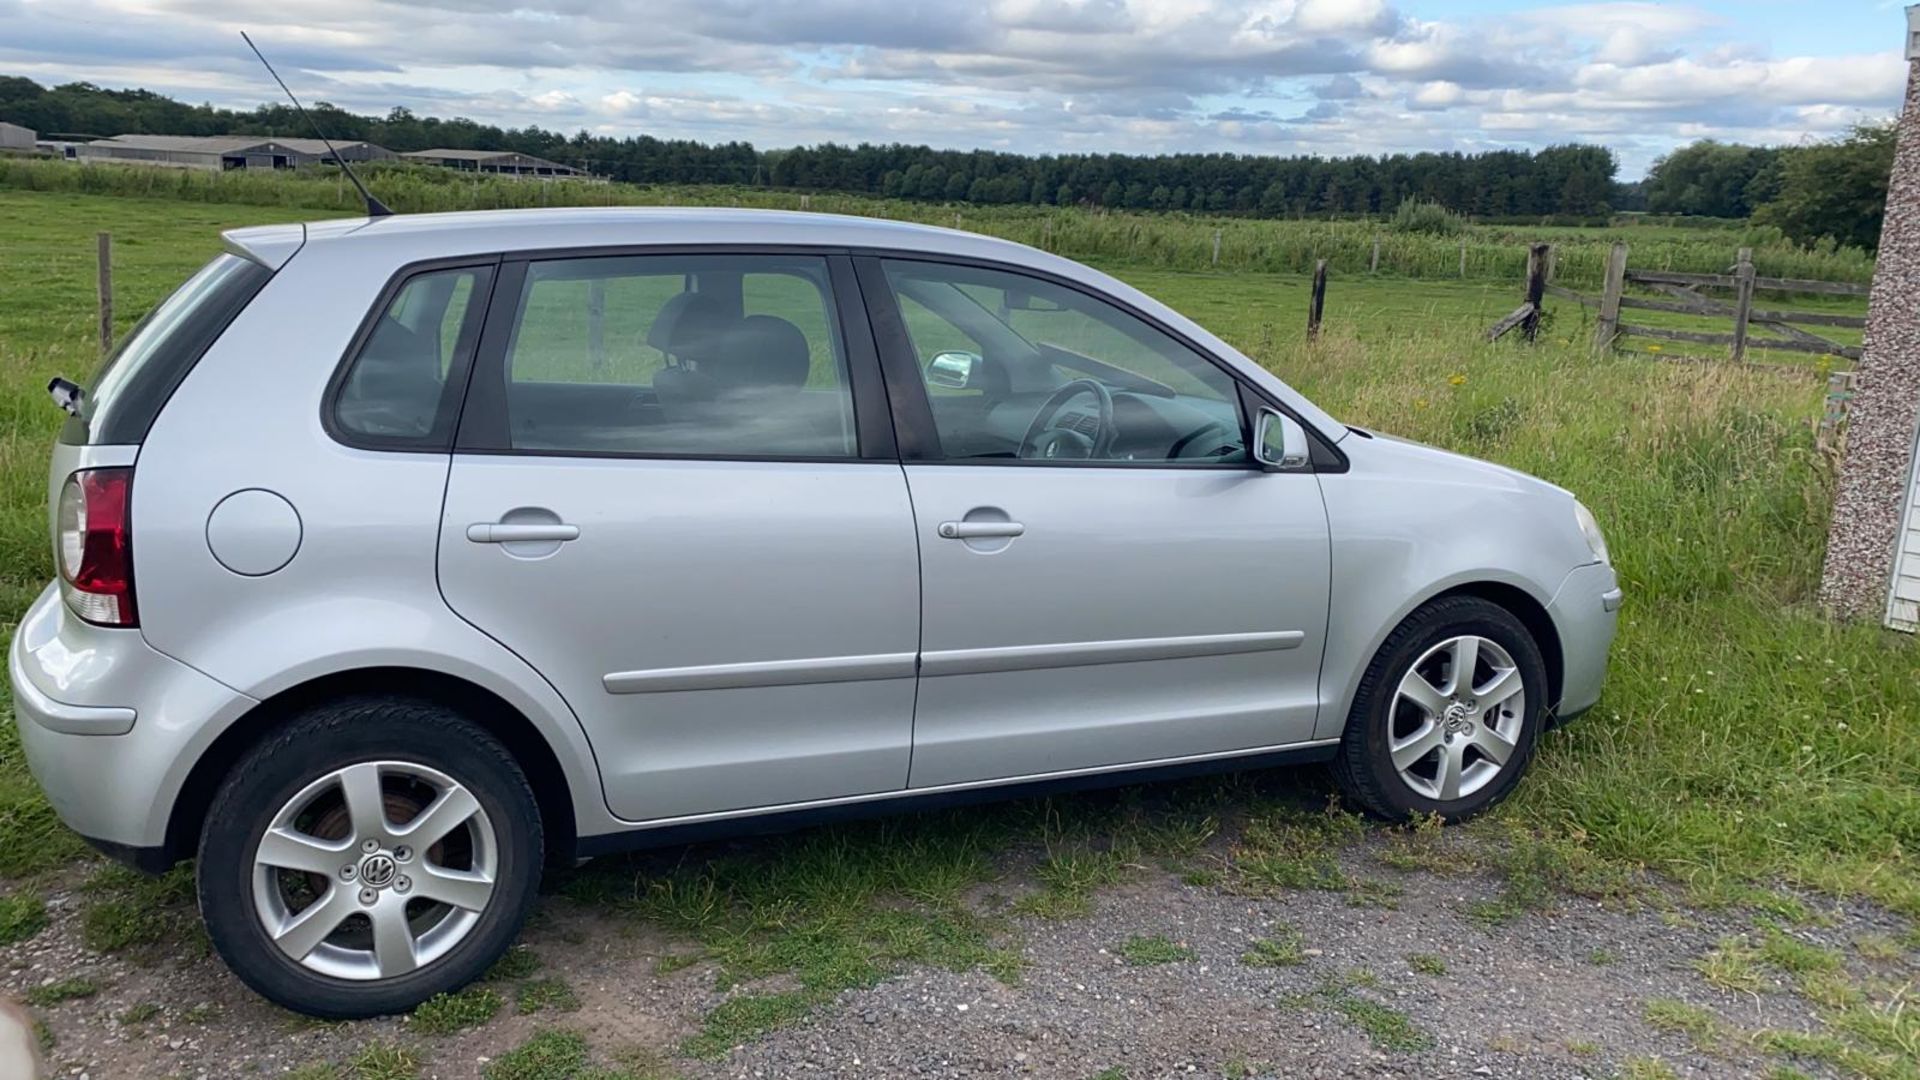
point(142, 372)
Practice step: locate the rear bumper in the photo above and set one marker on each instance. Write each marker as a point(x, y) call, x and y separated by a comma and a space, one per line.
point(1585, 611)
point(110, 726)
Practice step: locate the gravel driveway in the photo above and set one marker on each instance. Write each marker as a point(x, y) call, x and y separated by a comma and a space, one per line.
point(1409, 968)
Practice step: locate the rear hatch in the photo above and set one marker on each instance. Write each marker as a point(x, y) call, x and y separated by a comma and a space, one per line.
point(89, 482)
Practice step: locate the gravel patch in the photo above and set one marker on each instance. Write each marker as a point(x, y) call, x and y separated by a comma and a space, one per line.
point(1406, 978)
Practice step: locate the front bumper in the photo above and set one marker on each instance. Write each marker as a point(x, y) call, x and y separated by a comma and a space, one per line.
point(1585, 610)
point(110, 726)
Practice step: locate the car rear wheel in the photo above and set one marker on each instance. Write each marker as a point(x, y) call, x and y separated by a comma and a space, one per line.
point(372, 853)
point(1446, 715)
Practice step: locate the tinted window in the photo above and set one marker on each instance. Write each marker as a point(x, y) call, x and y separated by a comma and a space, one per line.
point(708, 356)
point(397, 392)
point(1019, 367)
point(142, 372)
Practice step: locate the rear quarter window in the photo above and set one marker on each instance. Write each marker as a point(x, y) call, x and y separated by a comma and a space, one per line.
point(402, 388)
point(138, 377)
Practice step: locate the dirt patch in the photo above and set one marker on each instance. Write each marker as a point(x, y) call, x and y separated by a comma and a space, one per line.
point(1404, 971)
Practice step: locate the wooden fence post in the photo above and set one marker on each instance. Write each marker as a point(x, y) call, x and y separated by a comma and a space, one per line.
point(1373, 264)
point(1216, 247)
point(1743, 302)
point(597, 323)
point(1046, 235)
point(1553, 261)
point(1536, 289)
point(104, 284)
point(1616, 282)
point(1463, 260)
point(1318, 300)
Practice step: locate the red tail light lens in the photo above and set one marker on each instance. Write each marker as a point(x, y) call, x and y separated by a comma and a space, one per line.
point(96, 546)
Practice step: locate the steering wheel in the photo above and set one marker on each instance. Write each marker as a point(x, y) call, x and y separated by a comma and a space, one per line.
point(1192, 438)
point(1043, 440)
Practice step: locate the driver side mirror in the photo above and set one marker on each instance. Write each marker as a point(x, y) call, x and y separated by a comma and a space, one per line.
point(1281, 442)
point(953, 370)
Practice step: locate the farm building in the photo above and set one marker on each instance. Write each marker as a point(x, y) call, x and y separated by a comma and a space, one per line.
point(15, 137)
point(217, 152)
point(498, 163)
point(1873, 543)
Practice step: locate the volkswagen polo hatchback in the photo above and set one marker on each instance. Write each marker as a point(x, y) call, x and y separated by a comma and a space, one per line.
point(401, 557)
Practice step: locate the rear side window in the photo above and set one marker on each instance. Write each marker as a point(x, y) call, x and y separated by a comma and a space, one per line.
point(142, 373)
point(678, 356)
point(402, 390)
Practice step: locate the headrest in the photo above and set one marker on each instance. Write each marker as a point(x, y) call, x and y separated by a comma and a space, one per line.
point(689, 322)
point(764, 352)
point(394, 343)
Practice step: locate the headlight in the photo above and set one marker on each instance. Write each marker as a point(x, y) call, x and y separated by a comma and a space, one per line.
point(1590, 529)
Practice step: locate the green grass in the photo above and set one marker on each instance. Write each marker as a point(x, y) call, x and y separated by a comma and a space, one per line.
point(129, 911)
point(554, 1054)
point(1427, 964)
point(1696, 1023)
point(1744, 743)
point(518, 962)
point(1646, 1068)
point(1175, 240)
point(1283, 949)
point(1386, 1027)
point(446, 1014)
point(1152, 951)
point(54, 993)
point(22, 915)
point(384, 1061)
point(540, 995)
point(135, 1015)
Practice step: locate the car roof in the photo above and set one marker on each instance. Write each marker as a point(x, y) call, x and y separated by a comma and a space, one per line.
point(412, 237)
point(397, 240)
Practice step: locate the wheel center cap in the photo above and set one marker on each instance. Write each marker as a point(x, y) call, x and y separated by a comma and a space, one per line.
point(377, 870)
point(1457, 720)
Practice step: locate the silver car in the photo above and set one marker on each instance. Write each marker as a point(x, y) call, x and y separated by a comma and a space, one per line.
point(399, 558)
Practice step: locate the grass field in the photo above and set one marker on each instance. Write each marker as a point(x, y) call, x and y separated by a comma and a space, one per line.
point(1177, 241)
point(1744, 743)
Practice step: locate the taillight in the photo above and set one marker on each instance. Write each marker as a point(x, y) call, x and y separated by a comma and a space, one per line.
point(96, 546)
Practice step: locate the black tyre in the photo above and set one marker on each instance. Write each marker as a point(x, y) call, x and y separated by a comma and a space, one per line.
point(372, 853)
point(1420, 740)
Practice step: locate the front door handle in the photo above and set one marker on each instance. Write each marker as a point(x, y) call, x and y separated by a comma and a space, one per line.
point(507, 532)
point(976, 530)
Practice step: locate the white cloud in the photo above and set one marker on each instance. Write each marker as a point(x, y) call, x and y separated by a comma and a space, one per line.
point(1288, 76)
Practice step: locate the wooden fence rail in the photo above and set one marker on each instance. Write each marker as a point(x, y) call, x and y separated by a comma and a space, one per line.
point(1683, 298)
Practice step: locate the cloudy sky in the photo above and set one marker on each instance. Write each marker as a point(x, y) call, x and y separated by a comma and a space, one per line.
point(1256, 76)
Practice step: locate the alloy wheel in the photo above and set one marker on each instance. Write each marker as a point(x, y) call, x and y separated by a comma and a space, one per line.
point(375, 870)
point(1456, 718)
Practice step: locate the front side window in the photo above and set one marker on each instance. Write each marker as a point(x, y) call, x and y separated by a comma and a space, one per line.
point(1021, 368)
point(679, 355)
point(397, 391)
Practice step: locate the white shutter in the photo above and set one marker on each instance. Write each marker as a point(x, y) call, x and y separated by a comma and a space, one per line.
point(1903, 601)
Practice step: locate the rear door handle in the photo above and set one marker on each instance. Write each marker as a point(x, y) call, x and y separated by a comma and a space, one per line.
point(502, 532)
point(975, 530)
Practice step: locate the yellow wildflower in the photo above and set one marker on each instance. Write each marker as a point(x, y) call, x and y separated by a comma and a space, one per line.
point(1420, 403)
point(1653, 348)
point(1458, 378)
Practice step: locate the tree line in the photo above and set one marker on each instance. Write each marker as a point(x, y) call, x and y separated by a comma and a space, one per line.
point(1832, 192)
point(1569, 182)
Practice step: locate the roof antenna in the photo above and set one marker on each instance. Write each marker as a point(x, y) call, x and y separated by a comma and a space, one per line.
point(375, 208)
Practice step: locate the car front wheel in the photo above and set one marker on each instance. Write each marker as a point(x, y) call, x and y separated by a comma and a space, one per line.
point(372, 853)
point(1446, 715)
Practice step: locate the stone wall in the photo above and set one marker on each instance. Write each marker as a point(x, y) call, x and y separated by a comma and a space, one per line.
point(1886, 405)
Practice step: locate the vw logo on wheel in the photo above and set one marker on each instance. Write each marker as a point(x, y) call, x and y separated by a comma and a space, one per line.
point(377, 871)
